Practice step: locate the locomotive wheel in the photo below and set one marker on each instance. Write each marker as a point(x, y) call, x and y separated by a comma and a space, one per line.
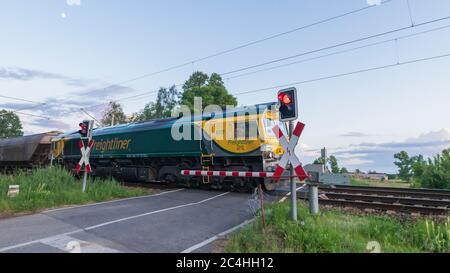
point(171, 180)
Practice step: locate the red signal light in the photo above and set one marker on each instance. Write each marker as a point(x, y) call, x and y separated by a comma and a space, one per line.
point(284, 98)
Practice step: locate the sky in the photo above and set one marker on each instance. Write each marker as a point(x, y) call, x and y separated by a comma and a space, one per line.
point(77, 53)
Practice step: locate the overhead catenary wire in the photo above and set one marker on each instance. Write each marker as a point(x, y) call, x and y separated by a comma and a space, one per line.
point(385, 33)
point(99, 123)
point(336, 45)
point(248, 44)
point(19, 111)
point(328, 77)
point(313, 58)
point(19, 99)
point(245, 45)
point(343, 51)
point(343, 74)
point(27, 114)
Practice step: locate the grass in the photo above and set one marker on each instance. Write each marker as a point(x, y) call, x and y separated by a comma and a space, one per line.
point(338, 232)
point(375, 183)
point(55, 187)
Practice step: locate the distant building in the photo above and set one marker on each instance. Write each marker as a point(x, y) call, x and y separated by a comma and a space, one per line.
point(326, 177)
point(371, 176)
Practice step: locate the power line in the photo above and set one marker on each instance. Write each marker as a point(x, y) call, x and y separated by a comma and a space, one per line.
point(344, 74)
point(336, 45)
point(19, 99)
point(26, 114)
point(250, 44)
point(301, 61)
point(130, 97)
point(342, 51)
point(91, 116)
point(238, 48)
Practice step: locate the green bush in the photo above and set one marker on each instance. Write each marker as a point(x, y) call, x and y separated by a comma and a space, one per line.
point(53, 187)
point(435, 173)
point(338, 232)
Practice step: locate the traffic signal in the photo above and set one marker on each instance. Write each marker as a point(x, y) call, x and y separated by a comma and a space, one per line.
point(287, 99)
point(84, 128)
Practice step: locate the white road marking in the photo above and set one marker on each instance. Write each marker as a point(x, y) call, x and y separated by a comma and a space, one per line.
point(38, 241)
point(112, 201)
point(212, 239)
point(154, 212)
point(289, 194)
point(70, 244)
point(112, 222)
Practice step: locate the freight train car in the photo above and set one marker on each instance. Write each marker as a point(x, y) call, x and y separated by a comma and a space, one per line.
point(158, 150)
point(25, 152)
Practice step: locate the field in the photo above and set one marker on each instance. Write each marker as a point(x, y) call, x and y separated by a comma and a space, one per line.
point(375, 183)
point(338, 232)
point(49, 188)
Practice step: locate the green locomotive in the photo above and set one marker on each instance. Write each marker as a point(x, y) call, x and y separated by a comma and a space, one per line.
point(149, 152)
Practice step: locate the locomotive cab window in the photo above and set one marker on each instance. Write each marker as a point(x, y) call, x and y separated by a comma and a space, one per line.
point(247, 130)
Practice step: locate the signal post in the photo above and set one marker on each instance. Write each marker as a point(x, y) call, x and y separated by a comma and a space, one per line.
point(287, 100)
point(86, 128)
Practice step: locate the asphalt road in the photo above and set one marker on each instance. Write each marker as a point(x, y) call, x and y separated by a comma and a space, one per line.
point(174, 221)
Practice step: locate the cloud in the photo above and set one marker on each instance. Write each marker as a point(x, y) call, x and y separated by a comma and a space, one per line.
point(73, 2)
point(441, 135)
point(107, 92)
point(16, 106)
point(373, 2)
point(56, 125)
point(380, 156)
point(24, 74)
point(354, 134)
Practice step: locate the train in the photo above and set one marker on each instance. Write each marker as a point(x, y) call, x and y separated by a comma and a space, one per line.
point(26, 152)
point(149, 152)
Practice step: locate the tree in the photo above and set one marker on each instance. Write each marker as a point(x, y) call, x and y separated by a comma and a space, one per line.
point(10, 125)
point(196, 80)
point(210, 88)
point(333, 164)
point(435, 173)
point(166, 101)
point(344, 170)
point(113, 115)
point(404, 164)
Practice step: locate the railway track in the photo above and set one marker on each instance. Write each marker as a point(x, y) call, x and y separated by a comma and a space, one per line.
point(423, 201)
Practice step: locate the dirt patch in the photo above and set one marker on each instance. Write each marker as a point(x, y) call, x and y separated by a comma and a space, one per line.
point(219, 245)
